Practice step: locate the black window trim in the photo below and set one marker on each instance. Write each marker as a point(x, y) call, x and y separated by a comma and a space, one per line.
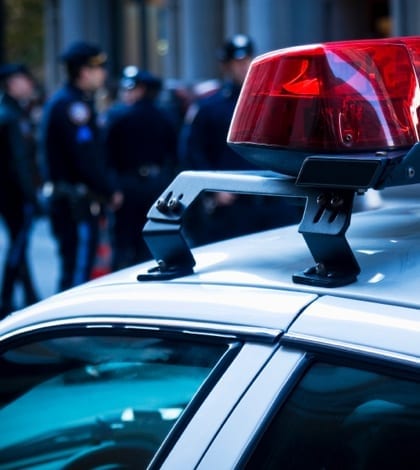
point(190, 410)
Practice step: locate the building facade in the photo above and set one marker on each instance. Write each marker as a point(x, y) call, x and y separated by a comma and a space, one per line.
point(177, 39)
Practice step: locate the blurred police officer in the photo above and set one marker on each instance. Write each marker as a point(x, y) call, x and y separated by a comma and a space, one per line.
point(17, 180)
point(141, 142)
point(225, 215)
point(210, 117)
point(75, 163)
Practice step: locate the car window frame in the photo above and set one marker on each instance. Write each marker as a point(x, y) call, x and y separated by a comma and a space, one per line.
point(261, 389)
point(271, 391)
point(201, 430)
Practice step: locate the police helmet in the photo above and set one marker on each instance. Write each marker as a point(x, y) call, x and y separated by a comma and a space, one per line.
point(133, 76)
point(82, 53)
point(238, 46)
point(7, 70)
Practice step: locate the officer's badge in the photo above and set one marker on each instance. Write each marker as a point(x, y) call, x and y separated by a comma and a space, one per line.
point(79, 113)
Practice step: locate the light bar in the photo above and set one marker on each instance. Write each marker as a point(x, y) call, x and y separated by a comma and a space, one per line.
point(349, 97)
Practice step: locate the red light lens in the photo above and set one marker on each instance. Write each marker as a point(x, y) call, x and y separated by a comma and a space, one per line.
point(350, 96)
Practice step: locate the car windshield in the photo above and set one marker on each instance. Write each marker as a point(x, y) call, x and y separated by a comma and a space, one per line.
point(86, 401)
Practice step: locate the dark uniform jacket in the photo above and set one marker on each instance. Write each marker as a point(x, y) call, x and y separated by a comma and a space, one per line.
point(206, 147)
point(141, 144)
point(74, 162)
point(17, 153)
point(71, 143)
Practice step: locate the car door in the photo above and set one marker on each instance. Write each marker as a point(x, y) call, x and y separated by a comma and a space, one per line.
point(351, 398)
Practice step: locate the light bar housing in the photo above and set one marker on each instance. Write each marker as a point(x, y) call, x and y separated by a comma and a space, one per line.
point(348, 98)
point(337, 119)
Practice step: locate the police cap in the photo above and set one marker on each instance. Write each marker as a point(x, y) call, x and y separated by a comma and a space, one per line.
point(7, 70)
point(82, 53)
point(238, 46)
point(133, 76)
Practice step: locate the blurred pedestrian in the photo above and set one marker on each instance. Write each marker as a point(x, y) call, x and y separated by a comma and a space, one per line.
point(18, 201)
point(74, 163)
point(223, 215)
point(141, 142)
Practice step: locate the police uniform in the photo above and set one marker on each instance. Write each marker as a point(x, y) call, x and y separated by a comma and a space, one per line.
point(17, 190)
point(207, 149)
point(205, 138)
point(74, 166)
point(141, 143)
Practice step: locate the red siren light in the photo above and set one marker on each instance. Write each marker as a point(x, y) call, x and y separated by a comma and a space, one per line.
point(349, 97)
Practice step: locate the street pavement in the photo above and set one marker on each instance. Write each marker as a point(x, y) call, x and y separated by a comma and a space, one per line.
point(42, 255)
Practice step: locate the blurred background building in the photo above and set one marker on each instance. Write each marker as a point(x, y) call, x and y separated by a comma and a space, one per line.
point(177, 39)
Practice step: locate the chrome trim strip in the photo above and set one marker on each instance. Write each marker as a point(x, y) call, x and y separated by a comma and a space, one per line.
point(289, 338)
point(229, 331)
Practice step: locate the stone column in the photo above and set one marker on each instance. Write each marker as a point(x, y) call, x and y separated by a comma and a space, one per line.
point(405, 17)
point(199, 31)
point(270, 24)
point(71, 21)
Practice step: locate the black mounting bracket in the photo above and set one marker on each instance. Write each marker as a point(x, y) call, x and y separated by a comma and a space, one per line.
point(325, 221)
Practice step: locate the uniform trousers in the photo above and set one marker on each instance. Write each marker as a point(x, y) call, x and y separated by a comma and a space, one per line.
point(77, 240)
point(18, 217)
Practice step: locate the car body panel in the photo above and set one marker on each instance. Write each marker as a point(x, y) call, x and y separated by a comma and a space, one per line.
point(218, 309)
point(361, 326)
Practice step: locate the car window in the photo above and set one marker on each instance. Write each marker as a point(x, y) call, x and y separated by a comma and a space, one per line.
point(344, 418)
point(81, 402)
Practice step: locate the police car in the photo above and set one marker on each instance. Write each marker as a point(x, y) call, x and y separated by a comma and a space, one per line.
point(296, 348)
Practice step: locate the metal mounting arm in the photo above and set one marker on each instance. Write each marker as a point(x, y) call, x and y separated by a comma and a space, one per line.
point(325, 221)
point(163, 231)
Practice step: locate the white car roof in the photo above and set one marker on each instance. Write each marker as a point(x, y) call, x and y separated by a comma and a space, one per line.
point(233, 280)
